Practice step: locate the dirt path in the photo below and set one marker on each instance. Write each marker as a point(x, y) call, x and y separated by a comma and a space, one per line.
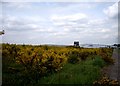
point(113, 71)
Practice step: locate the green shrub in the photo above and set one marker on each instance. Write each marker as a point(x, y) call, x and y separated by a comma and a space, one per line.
point(98, 61)
point(74, 57)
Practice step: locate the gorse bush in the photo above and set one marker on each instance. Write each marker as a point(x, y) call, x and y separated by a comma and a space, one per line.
point(74, 56)
point(53, 61)
point(105, 81)
point(38, 61)
point(44, 63)
point(77, 55)
point(106, 55)
point(51, 57)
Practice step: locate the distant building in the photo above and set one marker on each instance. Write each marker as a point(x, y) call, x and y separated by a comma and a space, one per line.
point(2, 32)
point(76, 43)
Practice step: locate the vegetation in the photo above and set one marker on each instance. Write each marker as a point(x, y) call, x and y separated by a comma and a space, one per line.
point(105, 81)
point(29, 65)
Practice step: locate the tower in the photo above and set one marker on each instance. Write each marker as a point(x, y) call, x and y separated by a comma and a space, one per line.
point(76, 43)
point(2, 32)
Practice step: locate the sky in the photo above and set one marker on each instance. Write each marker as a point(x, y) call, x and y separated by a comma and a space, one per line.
point(59, 23)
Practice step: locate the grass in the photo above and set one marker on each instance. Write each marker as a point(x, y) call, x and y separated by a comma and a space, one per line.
point(83, 73)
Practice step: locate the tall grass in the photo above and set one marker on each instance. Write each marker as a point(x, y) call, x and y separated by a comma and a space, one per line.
point(82, 73)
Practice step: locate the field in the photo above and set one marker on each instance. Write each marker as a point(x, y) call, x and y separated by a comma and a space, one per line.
point(29, 65)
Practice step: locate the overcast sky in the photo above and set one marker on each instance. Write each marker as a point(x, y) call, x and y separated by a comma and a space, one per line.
point(59, 23)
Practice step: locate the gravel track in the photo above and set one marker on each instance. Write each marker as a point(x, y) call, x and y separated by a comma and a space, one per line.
point(113, 71)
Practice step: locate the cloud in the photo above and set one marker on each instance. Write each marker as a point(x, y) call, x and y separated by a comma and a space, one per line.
point(59, 26)
point(70, 7)
point(74, 17)
point(17, 5)
point(96, 29)
point(12, 23)
point(82, 24)
point(106, 0)
point(112, 11)
point(72, 22)
point(60, 0)
point(97, 22)
point(15, 22)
